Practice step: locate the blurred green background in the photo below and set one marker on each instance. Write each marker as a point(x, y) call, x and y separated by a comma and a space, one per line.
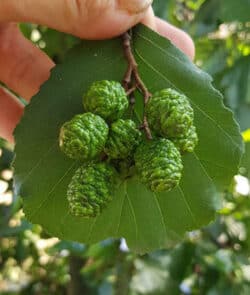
point(211, 261)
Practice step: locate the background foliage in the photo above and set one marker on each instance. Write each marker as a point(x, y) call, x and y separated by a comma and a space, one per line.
point(214, 260)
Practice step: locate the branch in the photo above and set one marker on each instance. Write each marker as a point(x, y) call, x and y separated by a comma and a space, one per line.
point(76, 285)
point(132, 72)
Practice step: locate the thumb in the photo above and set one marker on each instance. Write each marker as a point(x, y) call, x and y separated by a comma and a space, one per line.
point(89, 19)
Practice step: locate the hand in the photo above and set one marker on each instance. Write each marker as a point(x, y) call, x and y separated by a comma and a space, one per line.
point(23, 67)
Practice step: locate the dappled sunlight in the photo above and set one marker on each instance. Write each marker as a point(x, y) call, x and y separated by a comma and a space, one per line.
point(242, 186)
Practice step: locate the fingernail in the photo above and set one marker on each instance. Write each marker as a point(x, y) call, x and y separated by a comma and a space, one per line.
point(135, 6)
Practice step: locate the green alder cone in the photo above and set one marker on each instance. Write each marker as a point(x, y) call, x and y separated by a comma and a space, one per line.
point(91, 189)
point(159, 164)
point(83, 137)
point(169, 113)
point(107, 99)
point(124, 137)
point(188, 141)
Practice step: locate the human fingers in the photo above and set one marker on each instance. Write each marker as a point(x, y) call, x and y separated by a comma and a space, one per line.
point(87, 19)
point(178, 37)
point(23, 67)
point(149, 19)
point(11, 111)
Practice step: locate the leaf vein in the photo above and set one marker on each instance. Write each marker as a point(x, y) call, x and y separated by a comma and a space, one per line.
point(38, 163)
point(119, 222)
point(52, 190)
point(134, 217)
point(188, 207)
point(159, 208)
point(91, 230)
point(160, 48)
point(203, 167)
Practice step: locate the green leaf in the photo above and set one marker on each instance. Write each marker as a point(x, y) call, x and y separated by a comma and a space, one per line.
point(213, 12)
point(206, 18)
point(151, 278)
point(245, 161)
point(57, 43)
point(160, 8)
point(235, 83)
point(232, 10)
point(181, 258)
point(162, 272)
point(147, 221)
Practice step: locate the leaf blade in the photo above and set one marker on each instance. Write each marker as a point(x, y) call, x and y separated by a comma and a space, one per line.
point(148, 221)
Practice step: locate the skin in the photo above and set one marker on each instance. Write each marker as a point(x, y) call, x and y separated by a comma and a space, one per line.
point(24, 68)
